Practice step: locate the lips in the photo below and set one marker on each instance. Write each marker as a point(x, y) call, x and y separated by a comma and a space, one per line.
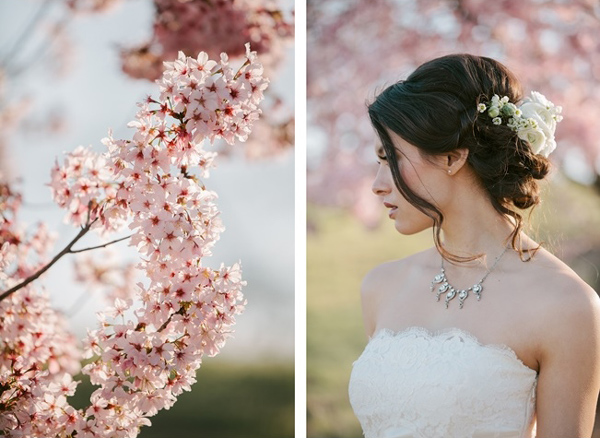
point(393, 208)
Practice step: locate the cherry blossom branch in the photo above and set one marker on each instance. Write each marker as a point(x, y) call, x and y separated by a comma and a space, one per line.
point(66, 250)
point(75, 251)
point(35, 276)
point(145, 362)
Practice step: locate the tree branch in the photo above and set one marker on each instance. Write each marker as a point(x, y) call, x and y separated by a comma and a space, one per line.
point(75, 251)
point(65, 250)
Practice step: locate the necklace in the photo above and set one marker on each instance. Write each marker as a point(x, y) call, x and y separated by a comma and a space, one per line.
point(451, 292)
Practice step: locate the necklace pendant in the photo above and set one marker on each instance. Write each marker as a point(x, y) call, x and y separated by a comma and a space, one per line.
point(477, 289)
point(443, 288)
point(439, 278)
point(462, 296)
point(450, 295)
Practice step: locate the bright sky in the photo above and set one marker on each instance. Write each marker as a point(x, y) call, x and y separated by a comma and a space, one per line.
point(256, 199)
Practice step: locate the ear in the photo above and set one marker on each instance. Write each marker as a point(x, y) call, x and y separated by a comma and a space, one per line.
point(455, 160)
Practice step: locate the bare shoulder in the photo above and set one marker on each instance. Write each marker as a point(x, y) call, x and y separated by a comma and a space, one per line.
point(377, 280)
point(374, 282)
point(561, 288)
point(381, 281)
point(568, 334)
point(569, 309)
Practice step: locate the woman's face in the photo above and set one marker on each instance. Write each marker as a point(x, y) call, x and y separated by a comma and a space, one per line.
point(426, 177)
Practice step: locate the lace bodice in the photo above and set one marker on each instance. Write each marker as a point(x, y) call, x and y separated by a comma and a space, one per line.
point(416, 383)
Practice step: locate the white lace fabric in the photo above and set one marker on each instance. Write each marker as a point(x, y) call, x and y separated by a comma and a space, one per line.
point(415, 383)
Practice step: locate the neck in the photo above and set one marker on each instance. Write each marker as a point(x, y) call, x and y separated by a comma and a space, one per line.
point(472, 227)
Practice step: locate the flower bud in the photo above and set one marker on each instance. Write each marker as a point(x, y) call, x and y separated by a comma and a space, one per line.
point(509, 109)
point(494, 112)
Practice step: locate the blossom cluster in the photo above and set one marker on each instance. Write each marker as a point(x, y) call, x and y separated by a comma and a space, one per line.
point(534, 120)
point(22, 249)
point(223, 26)
point(83, 187)
point(38, 355)
point(144, 355)
point(214, 27)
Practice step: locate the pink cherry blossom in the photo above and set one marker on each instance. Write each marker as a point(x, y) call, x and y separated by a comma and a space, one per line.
point(145, 354)
point(216, 27)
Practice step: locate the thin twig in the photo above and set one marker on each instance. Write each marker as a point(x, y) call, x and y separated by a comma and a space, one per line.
point(74, 251)
point(26, 33)
point(40, 51)
point(65, 250)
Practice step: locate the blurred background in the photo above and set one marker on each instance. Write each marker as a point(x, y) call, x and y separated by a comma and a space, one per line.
point(70, 70)
point(357, 47)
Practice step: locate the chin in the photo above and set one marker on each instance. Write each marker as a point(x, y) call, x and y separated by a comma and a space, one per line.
point(407, 228)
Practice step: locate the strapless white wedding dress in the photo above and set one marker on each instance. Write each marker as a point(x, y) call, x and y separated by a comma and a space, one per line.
point(415, 383)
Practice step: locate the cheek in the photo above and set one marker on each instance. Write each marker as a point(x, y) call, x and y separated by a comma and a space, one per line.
point(411, 177)
point(424, 181)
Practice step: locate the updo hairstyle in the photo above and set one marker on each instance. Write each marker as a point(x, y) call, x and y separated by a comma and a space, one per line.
point(435, 109)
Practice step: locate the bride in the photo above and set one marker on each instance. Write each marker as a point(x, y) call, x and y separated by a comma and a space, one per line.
point(486, 334)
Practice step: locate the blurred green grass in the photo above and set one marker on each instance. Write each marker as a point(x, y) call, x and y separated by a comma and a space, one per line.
point(229, 400)
point(340, 251)
point(339, 254)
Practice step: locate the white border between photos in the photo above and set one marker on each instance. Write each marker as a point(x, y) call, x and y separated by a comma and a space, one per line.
point(300, 219)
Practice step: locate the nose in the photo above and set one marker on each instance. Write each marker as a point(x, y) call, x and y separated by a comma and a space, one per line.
point(381, 186)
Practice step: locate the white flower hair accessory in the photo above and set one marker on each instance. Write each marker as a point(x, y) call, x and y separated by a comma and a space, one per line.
point(534, 120)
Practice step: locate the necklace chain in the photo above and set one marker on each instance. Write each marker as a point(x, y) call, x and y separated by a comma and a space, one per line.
point(451, 292)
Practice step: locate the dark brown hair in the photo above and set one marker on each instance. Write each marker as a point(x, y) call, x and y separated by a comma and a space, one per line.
point(435, 109)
